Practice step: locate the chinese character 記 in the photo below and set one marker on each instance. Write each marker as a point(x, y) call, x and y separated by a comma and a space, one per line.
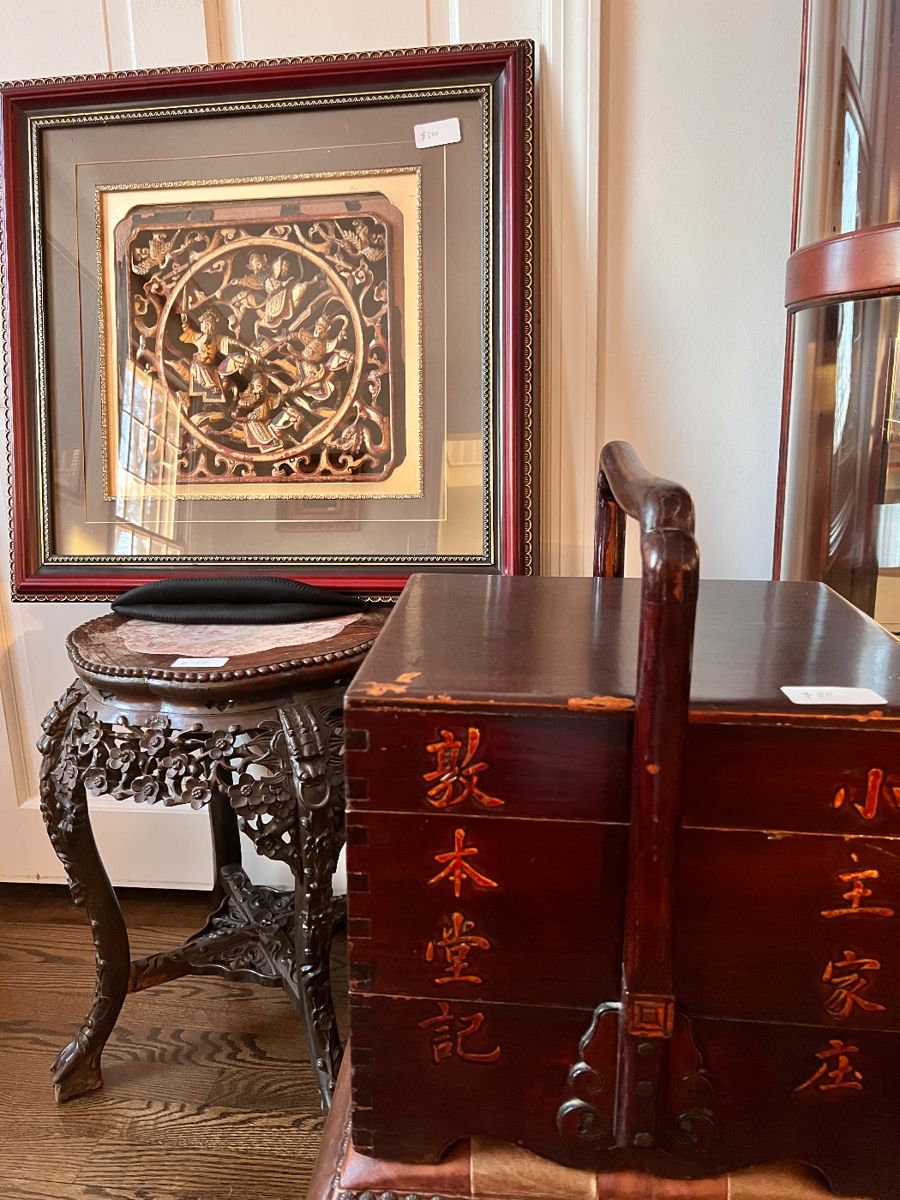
point(449, 1033)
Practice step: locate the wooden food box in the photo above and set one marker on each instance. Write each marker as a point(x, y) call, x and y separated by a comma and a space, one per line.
point(488, 758)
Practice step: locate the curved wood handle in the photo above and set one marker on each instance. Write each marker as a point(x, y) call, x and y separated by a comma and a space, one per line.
point(626, 488)
point(671, 565)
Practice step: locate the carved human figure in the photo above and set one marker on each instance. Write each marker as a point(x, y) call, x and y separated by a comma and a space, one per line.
point(205, 379)
point(253, 284)
point(359, 244)
point(253, 413)
point(322, 357)
point(284, 294)
point(155, 256)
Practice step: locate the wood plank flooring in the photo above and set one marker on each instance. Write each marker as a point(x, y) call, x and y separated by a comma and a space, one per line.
point(207, 1091)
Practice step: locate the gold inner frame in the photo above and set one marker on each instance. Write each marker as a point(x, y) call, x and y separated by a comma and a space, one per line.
point(400, 185)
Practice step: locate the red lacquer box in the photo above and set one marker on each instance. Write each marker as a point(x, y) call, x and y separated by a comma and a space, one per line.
point(489, 763)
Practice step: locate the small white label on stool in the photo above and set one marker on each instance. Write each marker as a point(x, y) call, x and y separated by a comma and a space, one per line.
point(437, 133)
point(832, 695)
point(199, 662)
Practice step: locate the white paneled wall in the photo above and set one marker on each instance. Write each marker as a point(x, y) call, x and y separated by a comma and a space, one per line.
point(665, 138)
point(699, 102)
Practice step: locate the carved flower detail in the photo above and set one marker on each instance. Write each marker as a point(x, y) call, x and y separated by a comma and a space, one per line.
point(195, 790)
point(91, 737)
point(153, 741)
point(219, 746)
point(95, 781)
point(175, 765)
point(66, 772)
point(145, 789)
point(121, 759)
point(243, 792)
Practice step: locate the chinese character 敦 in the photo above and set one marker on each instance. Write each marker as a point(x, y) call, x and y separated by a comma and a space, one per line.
point(847, 978)
point(456, 943)
point(450, 1032)
point(836, 1071)
point(455, 778)
point(457, 868)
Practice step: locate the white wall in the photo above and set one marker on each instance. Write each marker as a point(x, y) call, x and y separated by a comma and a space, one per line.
point(699, 101)
point(666, 146)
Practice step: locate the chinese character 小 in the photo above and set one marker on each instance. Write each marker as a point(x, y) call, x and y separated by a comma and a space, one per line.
point(876, 788)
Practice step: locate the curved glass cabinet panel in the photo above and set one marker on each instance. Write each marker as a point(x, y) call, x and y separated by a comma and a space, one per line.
point(839, 479)
point(842, 497)
point(851, 96)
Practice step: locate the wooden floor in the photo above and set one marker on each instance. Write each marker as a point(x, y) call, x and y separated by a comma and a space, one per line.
point(207, 1092)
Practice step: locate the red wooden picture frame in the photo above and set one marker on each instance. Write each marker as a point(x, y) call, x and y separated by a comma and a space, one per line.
point(44, 565)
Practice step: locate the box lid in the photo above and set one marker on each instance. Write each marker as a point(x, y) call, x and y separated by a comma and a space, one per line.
point(571, 644)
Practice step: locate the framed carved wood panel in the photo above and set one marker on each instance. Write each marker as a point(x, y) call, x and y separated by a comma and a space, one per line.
point(266, 318)
point(271, 318)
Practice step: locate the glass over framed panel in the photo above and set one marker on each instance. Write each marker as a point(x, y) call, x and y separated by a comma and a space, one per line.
point(274, 331)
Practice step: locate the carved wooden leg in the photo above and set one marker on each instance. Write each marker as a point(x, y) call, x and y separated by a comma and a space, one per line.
point(226, 842)
point(65, 812)
point(306, 743)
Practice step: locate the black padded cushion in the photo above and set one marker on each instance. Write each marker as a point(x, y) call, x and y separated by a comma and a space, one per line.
point(233, 600)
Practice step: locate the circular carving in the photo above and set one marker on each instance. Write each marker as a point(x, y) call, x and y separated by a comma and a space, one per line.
point(292, 338)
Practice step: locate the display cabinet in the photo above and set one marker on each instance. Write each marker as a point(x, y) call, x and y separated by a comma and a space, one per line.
point(838, 516)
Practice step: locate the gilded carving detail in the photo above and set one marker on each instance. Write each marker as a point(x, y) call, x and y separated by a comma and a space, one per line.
point(265, 332)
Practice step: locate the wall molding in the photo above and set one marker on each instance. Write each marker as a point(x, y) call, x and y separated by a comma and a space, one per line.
point(569, 222)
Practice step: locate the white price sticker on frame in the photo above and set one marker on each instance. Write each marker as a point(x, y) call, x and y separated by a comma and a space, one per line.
point(199, 662)
point(437, 133)
point(832, 695)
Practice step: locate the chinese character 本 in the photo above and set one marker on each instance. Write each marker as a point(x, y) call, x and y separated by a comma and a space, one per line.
point(836, 1072)
point(847, 980)
point(456, 776)
point(876, 788)
point(449, 1033)
point(457, 868)
point(857, 893)
point(457, 942)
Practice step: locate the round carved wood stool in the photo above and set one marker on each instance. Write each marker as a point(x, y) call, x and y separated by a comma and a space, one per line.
point(246, 719)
